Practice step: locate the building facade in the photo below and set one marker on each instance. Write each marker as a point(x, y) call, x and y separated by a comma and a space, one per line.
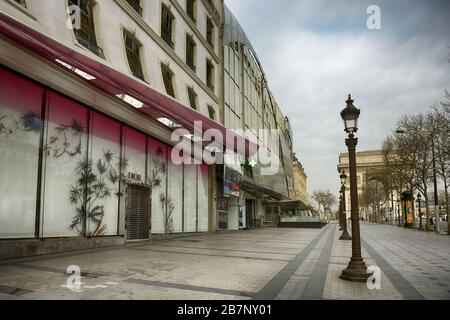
point(91, 93)
point(251, 109)
point(300, 181)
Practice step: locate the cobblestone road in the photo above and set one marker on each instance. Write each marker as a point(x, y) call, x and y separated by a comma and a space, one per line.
point(260, 264)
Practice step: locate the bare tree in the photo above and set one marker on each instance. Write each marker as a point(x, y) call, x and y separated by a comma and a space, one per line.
point(376, 198)
point(418, 139)
point(325, 199)
point(442, 153)
point(399, 162)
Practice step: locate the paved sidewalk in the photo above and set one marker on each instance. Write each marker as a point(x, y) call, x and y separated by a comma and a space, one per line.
point(286, 264)
point(338, 289)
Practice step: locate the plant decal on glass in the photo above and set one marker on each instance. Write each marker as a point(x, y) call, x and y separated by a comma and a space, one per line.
point(93, 186)
point(29, 122)
point(167, 207)
point(154, 181)
point(60, 144)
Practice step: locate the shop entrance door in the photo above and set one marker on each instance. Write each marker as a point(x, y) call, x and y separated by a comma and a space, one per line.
point(138, 213)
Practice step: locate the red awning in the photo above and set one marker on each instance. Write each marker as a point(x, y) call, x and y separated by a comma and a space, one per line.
point(151, 103)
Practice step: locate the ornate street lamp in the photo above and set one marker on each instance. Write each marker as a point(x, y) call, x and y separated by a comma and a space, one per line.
point(356, 269)
point(345, 235)
point(419, 202)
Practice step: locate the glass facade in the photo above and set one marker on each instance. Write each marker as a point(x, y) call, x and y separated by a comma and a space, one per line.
point(157, 179)
point(203, 200)
point(20, 133)
point(191, 199)
point(104, 152)
point(67, 170)
point(232, 88)
point(75, 185)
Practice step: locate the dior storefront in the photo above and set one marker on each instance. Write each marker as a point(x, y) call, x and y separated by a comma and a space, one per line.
point(69, 171)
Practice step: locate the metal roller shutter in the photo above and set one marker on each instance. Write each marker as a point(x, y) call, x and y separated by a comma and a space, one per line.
point(138, 213)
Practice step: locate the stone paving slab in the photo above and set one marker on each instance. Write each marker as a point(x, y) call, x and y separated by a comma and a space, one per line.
point(286, 264)
point(338, 289)
point(223, 266)
point(422, 258)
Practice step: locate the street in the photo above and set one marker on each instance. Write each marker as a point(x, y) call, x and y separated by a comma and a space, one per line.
point(267, 264)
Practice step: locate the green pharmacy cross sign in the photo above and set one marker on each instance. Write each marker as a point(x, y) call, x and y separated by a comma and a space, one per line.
point(249, 164)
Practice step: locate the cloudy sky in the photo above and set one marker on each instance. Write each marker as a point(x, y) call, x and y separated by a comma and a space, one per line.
point(316, 52)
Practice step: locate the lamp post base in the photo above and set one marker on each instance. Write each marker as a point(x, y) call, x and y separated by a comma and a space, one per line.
point(356, 271)
point(345, 236)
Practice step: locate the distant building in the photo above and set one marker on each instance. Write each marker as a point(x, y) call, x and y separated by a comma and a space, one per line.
point(300, 181)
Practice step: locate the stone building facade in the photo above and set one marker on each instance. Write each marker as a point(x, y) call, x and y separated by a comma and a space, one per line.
point(91, 93)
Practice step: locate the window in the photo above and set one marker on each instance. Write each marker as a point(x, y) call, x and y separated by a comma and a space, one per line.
point(132, 48)
point(210, 74)
point(190, 52)
point(168, 80)
point(192, 98)
point(212, 112)
point(167, 26)
point(21, 128)
point(210, 32)
point(65, 164)
point(190, 9)
point(23, 3)
point(86, 34)
point(135, 4)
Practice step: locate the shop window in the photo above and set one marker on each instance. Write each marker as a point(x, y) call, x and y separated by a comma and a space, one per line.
point(190, 52)
point(190, 9)
point(203, 198)
point(133, 48)
point(212, 112)
point(190, 200)
point(104, 162)
point(167, 75)
point(167, 20)
point(68, 170)
point(86, 34)
point(136, 5)
point(192, 98)
point(20, 134)
point(157, 180)
point(210, 74)
point(210, 32)
point(173, 211)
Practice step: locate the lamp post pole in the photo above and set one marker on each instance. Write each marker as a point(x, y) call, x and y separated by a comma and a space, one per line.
point(345, 235)
point(356, 269)
point(340, 212)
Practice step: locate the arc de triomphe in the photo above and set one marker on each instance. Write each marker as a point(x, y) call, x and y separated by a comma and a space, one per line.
point(369, 166)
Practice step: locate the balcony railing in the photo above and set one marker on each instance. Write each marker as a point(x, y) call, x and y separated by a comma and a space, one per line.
point(88, 42)
point(192, 66)
point(135, 5)
point(167, 37)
